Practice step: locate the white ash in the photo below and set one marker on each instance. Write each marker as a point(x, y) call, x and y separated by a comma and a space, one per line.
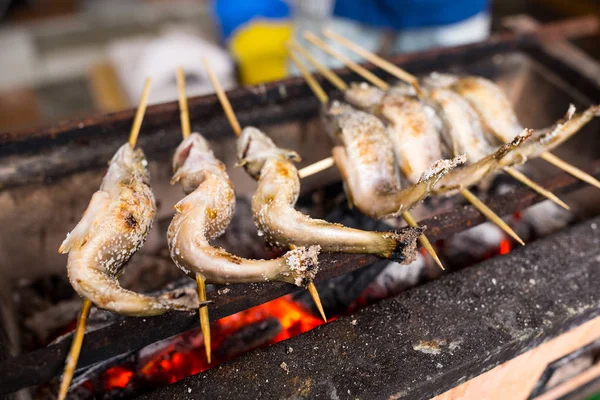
point(224, 291)
point(284, 367)
point(304, 263)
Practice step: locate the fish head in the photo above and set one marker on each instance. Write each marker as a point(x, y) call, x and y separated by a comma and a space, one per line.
point(439, 80)
point(331, 117)
point(254, 148)
point(192, 158)
point(127, 163)
point(363, 95)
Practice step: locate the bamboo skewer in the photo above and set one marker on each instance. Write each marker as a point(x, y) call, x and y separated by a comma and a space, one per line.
point(317, 167)
point(359, 69)
point(378, 61)
point(469, 196)
point(411, 79)
point(200, 281)
point(139, 115)
point(184, 114)
point(235, 125)
point(75, 350)
point(332, 77)
point(328, 162)
point(233, 121)
point(204, 320)
point(310, 80)
point(343, 86)
point(570, 169)
point(518, 175)
point(485, 210)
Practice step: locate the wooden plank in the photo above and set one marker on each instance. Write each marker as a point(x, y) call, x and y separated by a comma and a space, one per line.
point(516, 378)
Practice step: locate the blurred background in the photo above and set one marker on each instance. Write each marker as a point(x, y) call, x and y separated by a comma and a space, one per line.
point(71, 58)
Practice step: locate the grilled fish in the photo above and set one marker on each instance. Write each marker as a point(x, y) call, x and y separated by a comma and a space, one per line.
point(282, 225)
point(113, 227)
point(203, 216)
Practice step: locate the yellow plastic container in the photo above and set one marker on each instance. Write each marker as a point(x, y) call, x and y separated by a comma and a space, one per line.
point(259, 49)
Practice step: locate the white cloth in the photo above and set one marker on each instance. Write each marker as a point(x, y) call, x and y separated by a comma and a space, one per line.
point(158, 58)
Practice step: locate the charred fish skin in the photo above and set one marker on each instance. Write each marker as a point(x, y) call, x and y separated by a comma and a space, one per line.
point(114, 226)
point(368, 165)
point(204, 214)
point(411, 125)
point(282, 225)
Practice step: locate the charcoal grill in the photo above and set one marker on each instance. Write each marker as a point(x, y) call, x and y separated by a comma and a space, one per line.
point(48, 175)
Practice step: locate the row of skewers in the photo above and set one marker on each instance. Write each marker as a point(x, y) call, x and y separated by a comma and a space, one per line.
point(376, 132)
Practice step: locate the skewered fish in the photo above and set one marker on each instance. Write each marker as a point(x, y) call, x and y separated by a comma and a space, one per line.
point(204, 214)
point(458, 125)
point(368, 164)
point(462, 129)
point(282, 225)
point(464, 133)
point(113, 227)
point(497, 114)
point(411, 124)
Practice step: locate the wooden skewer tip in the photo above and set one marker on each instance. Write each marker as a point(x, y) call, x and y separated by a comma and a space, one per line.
point(355, 67)
point(312, 289)
point(518, 175)
point(75, 350)
point(571, 169)
point(204, 319)
point(374, 58)
point(491, 215)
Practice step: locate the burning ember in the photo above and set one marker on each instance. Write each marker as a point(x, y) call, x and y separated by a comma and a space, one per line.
point(176, 358)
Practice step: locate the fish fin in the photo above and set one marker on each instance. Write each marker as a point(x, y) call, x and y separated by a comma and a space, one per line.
point(79, 234)
point(176, 178)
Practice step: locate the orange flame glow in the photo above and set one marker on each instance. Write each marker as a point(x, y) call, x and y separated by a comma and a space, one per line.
point(185, 356)
point(504, 247)
point(117, 377)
